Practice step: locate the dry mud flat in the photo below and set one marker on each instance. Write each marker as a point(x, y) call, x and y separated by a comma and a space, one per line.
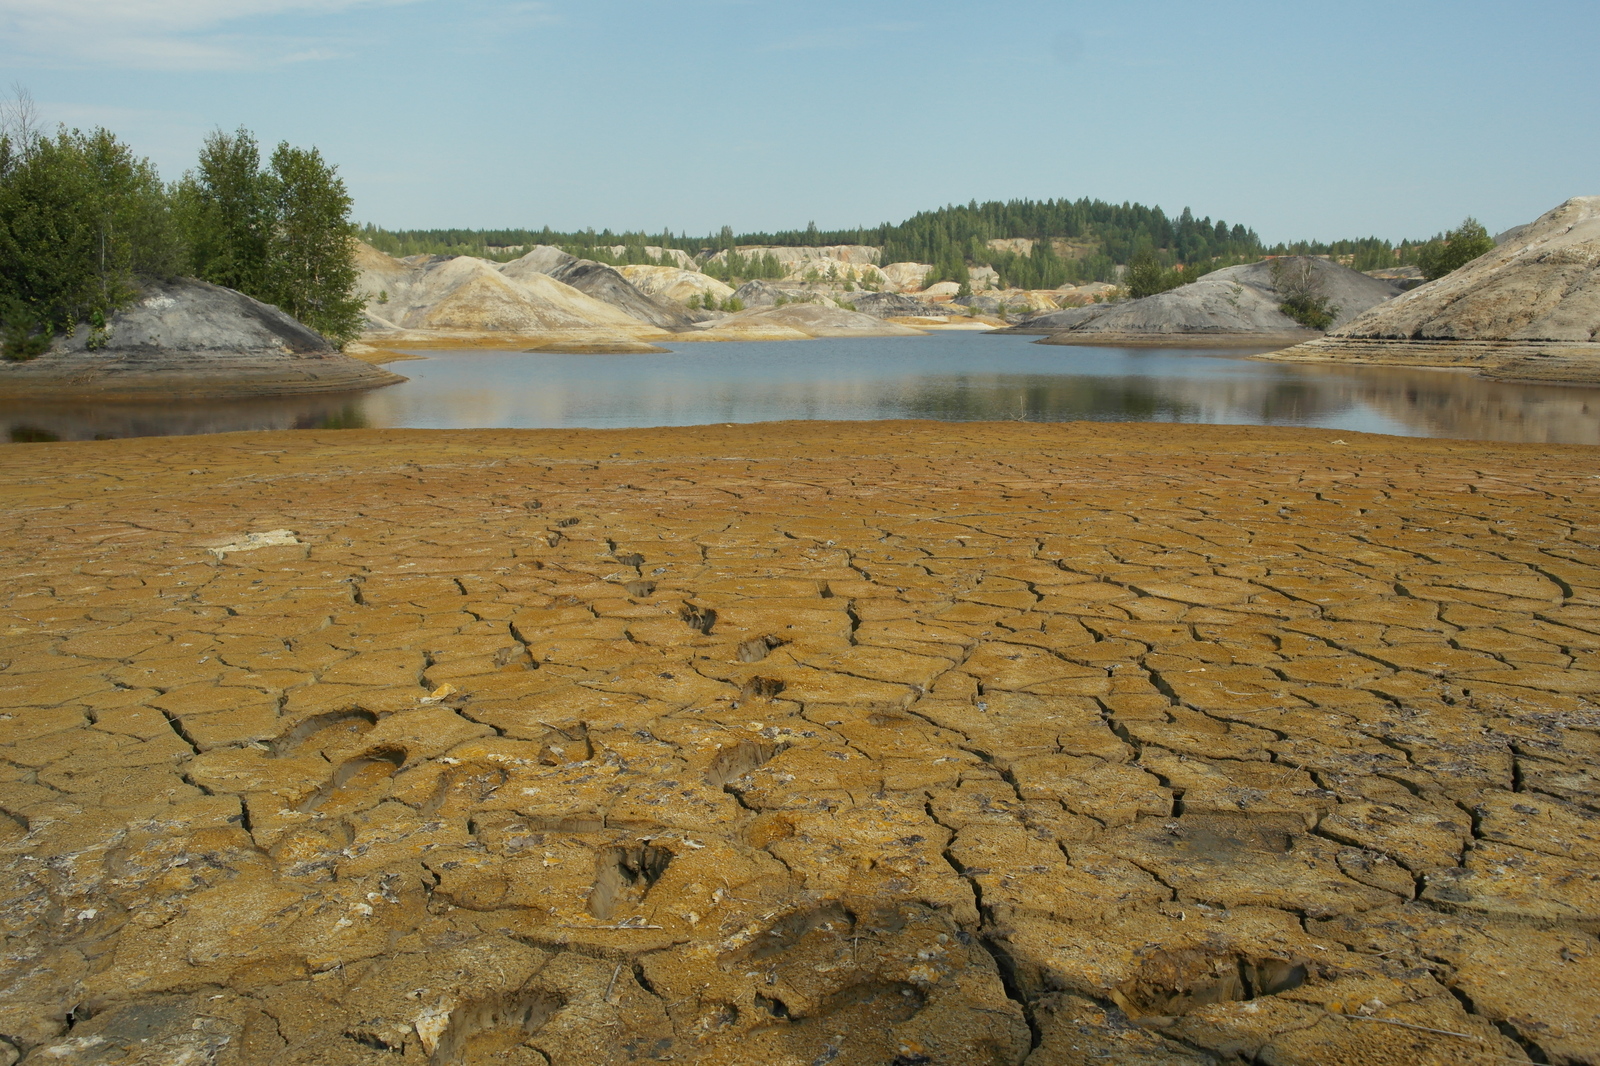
point(801, 743)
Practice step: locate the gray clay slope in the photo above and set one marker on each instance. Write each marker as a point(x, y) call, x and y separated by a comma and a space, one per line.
point(191, 338)
point(601, 282)
point(540, 259)
point(605, 284)
point(897, 305)
point(1234, 300)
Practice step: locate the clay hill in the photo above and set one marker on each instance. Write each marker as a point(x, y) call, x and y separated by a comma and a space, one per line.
point(1529, 309)
point(193, 340)
point(549, 300)
point(675, 283)
point(1238, 304)
point(601, 282)
point(424, 300)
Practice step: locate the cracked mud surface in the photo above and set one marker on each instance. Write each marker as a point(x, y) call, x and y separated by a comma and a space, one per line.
point(800, 743)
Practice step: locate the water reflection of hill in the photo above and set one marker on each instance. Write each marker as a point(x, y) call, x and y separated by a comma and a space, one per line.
point(948, 378)
point(1438, 403)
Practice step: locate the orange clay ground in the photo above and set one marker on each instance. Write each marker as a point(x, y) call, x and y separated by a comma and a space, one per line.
point(802, 743)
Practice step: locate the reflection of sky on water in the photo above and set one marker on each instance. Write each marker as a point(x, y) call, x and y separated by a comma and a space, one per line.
point(952, 376)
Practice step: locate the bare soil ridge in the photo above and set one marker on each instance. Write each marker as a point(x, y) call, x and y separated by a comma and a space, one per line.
point(854, 743)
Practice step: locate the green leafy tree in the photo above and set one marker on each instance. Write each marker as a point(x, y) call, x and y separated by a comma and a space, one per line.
point(311, 269)
point(281, 234)
point(81, 218)
point(1458, 248)
point(225, 211)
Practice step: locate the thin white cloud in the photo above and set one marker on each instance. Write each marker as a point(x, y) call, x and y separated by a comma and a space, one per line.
point(164, 34)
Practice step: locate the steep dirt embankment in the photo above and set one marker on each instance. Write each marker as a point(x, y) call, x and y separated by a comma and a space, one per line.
point(842, 743)
point(1237, 304)
point(190, 339)
point(1529, 309)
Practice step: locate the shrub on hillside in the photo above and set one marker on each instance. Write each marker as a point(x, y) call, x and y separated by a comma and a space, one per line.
point(1458, 248)
point(1300, 288)
point(1146, 276)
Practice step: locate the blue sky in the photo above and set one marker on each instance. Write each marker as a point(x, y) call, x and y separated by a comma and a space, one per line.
point(1302, 119)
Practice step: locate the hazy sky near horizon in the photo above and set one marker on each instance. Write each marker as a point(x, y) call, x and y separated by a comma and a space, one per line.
point(1301, 119)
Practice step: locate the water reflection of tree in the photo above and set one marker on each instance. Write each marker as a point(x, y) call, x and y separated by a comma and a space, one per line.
point(1037, 399)
point(350, 416)
point(102, 421)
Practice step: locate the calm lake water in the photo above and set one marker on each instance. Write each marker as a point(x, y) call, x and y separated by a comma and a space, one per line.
point(949, 376)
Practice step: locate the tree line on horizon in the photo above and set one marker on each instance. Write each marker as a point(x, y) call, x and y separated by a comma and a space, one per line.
point(1099, 237)
point(83, 221)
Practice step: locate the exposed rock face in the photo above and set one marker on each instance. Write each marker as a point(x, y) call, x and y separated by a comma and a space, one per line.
point(983, 278)
point(676, 285)
point(1530, 308)
point(803, 742)
point(907, 277)
point(189, 339)
point(1237, 301)
point(605, 284)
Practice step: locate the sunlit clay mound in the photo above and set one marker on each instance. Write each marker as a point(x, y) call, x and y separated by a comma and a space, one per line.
point(849, 743)
point(466, 301)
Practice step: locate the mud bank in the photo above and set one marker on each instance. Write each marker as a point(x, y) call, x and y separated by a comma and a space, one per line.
point(798, 742)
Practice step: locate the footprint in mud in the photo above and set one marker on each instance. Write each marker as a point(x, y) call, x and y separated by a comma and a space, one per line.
point(1174, 983)
point(323, 731)
point(623, 876)
point(733, 763)
point(357, 784)
point(495, 1031)
point(753, 651)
